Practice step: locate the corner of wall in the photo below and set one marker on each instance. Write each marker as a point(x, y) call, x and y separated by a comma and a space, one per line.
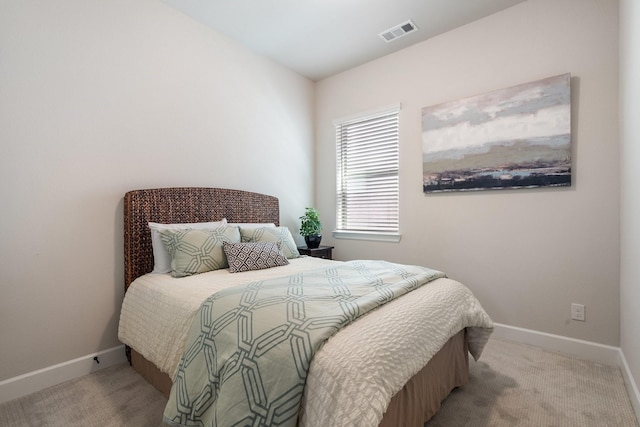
point(631, 384)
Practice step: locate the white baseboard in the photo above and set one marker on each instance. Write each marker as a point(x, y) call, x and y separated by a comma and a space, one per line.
point(578, 348)
point(31, 382)
point(583, 349)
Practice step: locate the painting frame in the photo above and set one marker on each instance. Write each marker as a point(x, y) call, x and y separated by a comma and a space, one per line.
point(511, 138)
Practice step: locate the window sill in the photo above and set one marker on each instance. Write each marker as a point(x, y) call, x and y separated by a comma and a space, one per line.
point(367, 235)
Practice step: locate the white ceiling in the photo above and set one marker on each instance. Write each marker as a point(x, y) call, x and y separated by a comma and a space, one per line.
point(319, 38)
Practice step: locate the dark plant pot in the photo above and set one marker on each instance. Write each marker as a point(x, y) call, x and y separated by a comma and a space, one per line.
point(312, 241)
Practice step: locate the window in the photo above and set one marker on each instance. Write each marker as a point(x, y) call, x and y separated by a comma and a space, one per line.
point(368, 176)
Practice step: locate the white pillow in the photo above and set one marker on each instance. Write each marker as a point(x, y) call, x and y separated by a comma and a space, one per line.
point(161, 257)
point(251, 224)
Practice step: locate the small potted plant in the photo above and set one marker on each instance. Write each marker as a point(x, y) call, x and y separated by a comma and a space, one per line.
point(311, 228)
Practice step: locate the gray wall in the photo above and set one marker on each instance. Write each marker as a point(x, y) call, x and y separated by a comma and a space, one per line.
point(101, 97)
point(630, 177)
point(526, 254)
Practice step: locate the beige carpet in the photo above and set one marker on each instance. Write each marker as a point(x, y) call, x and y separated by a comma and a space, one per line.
point(511, 385)
point(518, 385)
point(113, 397)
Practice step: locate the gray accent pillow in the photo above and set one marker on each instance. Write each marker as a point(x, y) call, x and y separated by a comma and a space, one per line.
point(198, 251)
point(272, 234)
point(253, 256)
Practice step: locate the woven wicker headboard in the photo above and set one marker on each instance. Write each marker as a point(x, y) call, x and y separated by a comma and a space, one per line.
point(185, 204)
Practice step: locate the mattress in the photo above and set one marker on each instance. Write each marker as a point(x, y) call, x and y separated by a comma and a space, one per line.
point(355, 374)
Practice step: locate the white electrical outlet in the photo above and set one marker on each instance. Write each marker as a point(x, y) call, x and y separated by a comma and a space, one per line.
point(577, 312)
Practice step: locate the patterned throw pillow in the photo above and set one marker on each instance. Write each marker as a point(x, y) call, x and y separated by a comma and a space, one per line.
point(253, 256)
point(198, 251)
point(272, 234)
point(161, 258)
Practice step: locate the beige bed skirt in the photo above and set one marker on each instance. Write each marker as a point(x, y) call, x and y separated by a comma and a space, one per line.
point(412, 406)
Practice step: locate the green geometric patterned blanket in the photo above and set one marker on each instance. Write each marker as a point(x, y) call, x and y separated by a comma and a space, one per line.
point(249, 348)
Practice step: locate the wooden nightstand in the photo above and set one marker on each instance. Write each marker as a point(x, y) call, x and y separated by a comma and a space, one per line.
point(319, 252)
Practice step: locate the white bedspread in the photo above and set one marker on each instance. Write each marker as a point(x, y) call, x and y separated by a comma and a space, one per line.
point(353, 377)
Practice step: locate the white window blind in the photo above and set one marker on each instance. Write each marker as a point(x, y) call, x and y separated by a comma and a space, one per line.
point(368, 173)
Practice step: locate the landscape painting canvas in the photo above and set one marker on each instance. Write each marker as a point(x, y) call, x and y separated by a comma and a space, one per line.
point(519, 137)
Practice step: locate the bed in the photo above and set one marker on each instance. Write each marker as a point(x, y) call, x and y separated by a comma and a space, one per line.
point(404, 390)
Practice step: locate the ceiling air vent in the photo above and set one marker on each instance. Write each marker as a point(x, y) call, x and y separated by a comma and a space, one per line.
point(398, 31)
